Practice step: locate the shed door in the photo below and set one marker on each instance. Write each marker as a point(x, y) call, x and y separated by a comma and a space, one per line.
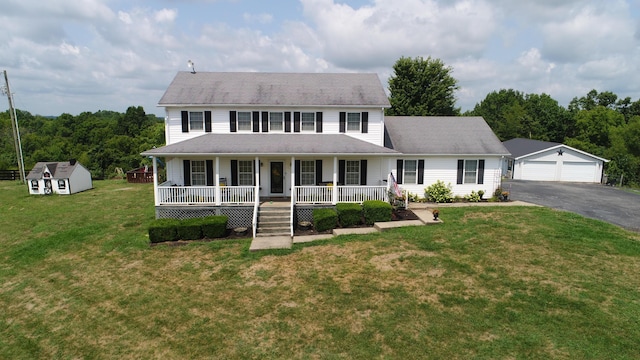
point(539, 170)
point(579, 171)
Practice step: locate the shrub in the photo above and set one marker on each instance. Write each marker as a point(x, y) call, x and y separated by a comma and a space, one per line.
point(349, 214)
point(325, 219)
point(473, 197)
point(189, 229)
point(214, 226)
point(439, 192)
point(376, 210)
point(163, 230)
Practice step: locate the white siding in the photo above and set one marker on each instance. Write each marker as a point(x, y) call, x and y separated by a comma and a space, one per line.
point(330, 122)
point(549, 165)
point(80, 180)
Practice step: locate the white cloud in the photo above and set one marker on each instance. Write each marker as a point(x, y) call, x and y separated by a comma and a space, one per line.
point(257, 18)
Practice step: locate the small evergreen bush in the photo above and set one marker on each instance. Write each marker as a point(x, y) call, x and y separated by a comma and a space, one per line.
point(214, 226)
point(376, 210)
point(439, 192)
point(189, 229)
point(162, 230)
point(325, 219)
point(349, 214)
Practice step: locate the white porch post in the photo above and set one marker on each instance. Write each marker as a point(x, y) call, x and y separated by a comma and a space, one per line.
point(293, 178)
point(155, 181)
point(334, 196)
point(257, 187)
point(217, 182)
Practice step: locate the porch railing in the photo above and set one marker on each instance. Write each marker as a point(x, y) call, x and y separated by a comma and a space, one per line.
point(185, 195)
point(206, 195)
point(324, 194)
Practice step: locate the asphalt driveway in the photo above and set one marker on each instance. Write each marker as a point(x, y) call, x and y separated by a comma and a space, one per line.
point(594, 201)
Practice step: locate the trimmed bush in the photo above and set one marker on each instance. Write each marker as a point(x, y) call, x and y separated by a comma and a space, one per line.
point(349, 214)
point(439, 192)
point(189, 229)
point(325, 219)
point(375, 211)
point(214, 226)
point(163, 230)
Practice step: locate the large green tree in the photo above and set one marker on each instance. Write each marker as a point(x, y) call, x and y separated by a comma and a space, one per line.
point(422, 87)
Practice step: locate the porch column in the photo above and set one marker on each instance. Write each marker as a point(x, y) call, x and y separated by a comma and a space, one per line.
point(155, 181)
point(293, 180)
point(257, 187)
point(334, 197)
point(217, 182)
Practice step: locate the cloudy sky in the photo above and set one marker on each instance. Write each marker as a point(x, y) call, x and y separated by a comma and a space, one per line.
point(89, 55)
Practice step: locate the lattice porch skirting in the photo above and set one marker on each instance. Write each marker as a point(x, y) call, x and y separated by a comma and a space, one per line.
point(239, 216)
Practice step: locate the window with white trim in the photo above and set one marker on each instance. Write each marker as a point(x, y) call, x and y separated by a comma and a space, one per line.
point(307, 172)
point(245, 172)
point(244, 121)
point(353, 122)
point(198, 173)
point(308, 121)
point(352, 172)
point(34, 185)
point(276, 121)
point(196, 120)
point(410, 172)
point(470, 171)
point(62, 185)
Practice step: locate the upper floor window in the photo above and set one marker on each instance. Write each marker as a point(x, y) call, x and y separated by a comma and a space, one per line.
point(276, 121)
point(308, 121)
point(244, 121)
point(353, 122)
point(470, 172)
point(352, 173)
point(198, 173)
point(307, 172)
point(196, 120)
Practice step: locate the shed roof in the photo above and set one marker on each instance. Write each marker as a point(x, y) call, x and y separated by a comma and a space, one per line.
point(442, 135)
point(275, 89)
point(271, 144)
point(59, 170)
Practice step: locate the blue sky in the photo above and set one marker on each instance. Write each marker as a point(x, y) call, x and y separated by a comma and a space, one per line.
point(90, 55)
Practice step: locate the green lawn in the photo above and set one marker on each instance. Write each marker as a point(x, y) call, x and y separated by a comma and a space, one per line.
point(79, 280)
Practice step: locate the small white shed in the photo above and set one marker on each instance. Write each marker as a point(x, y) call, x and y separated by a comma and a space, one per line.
point(549, 161)
point(66, 178)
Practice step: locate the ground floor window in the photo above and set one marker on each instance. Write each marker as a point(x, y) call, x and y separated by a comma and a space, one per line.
point(470, 172)
point(34, 184)
point(62, 185)
point(410, 172)
point(352, 172)
point(245, 172)
point(198, 173)
point(307, 172)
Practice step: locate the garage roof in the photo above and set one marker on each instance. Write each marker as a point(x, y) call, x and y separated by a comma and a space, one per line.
point(520, 148)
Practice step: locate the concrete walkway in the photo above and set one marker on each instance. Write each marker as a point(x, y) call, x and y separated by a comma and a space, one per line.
point(286, 242)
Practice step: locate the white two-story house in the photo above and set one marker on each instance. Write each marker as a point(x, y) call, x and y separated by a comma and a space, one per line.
point(235, 140)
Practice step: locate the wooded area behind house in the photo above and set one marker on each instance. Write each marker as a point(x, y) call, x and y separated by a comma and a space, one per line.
point(598, 123)
point(101, 141)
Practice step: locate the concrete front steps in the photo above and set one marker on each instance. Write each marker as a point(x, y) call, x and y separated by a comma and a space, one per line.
point(274, 220)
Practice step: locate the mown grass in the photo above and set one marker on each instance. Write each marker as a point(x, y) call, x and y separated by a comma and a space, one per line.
point(79, 280)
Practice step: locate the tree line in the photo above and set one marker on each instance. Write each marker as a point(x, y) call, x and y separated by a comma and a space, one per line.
point(600, 123)
point(101, 141)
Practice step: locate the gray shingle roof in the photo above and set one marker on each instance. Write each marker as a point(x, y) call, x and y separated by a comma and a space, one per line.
point(275, 89)
point(270, 144)
point(519, 147)
point(59, 170)
point(442, 135)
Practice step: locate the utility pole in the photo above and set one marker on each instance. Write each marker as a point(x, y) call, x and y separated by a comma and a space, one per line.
point(14, 125)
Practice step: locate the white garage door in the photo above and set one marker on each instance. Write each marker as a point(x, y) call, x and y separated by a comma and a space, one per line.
point(539, 170)
point(578, 171)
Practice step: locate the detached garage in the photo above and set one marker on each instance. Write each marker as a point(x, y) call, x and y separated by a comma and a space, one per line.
point(549, 161)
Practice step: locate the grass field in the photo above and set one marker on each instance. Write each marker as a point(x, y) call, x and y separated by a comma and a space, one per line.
point(79, 280)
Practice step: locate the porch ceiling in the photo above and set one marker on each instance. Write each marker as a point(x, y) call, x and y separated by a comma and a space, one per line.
point(271, 144)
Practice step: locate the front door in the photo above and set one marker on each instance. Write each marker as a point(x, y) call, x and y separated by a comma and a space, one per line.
point(277, 177)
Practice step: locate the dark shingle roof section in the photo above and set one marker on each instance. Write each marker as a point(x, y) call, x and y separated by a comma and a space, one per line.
point(275, 89)
point(271, 144)
point(519, 147)
point(441, 135)
point(59, 170)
